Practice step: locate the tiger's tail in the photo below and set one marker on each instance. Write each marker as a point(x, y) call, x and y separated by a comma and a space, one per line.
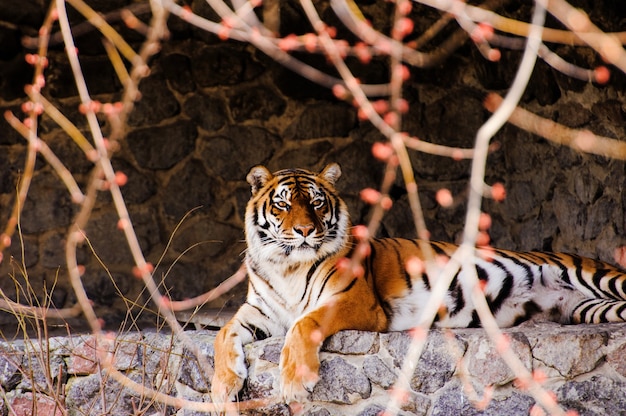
point(600, 287)
point(595, 311)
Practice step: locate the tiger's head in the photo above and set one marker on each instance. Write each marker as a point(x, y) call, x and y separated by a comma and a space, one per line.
point(295, 216)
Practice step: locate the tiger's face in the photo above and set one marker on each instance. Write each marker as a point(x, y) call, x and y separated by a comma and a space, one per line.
point(295, 216)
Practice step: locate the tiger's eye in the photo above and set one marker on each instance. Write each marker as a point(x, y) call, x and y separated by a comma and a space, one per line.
point(317, 203)
point(281, 205)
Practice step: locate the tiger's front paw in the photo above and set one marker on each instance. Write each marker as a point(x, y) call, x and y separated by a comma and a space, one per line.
point(224, 388)
point(298, 373)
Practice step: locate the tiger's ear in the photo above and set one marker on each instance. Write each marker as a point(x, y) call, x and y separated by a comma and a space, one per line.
point(331, 173)
point(257, 177)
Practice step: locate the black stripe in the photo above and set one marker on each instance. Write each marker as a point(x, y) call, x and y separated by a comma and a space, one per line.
point(322, 287)
point(456, 291)
point(328, 276)
point(505, 290)
point(475, 322)
point(256, 307)
point(583, 313)
point(407, 276)
point(266, 223)
point(426, 281)
point(370, 263)
point(438, 250)
point(309, 275)
point(482, 273)
point(530, 277)
point(604, 312)
point(347, 288)
point(578, 264)
point(620, 310)
point(613, 287)
point(597, 277)
point(564, 271)
point(530, 309)
point(257, 333)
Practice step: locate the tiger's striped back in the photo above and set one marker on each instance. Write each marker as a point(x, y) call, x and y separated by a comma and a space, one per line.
point(518, 286)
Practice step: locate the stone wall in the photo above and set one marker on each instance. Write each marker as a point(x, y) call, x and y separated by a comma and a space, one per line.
point(583, 366)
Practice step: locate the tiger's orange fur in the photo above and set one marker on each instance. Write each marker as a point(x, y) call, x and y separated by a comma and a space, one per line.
point(298, 228)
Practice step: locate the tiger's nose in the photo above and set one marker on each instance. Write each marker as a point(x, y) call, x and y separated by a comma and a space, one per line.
point(304, 229)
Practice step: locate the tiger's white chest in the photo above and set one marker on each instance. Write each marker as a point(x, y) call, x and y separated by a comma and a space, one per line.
point(284, 291)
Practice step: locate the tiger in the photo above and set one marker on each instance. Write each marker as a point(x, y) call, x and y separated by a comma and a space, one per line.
point(298, 232)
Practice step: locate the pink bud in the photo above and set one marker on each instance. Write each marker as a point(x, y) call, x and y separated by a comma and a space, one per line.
point(5, 240)
point(484, 222)
point(380, 106)
point(498, 192)
point(391, 118)
point(360, 232)
point(482, 239)
point(340, 91)
point(370, 196)
point(382, 151)
point(120, 178)
point(362, 52)
point(289, 42)
point(494, 55)
point(444, 197)
point(415, 266)
point(601, 74)
point(310, 42)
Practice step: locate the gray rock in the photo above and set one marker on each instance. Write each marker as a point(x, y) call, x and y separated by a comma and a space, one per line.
point(378, 372)
point(340, 382)
point(485, 364)
point(10, 361)
point(352, 342)
point(191, 374)
point(452, 401)
point(594, 397)
point(41, 371)
point(577, 355)
point(436, 364)
point(93, 395)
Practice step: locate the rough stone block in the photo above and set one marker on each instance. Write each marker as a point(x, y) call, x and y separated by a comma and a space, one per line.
point(191, 373)
point(340, 382)
point(597, 396)
point(23, 405)
point(41, 370)
point(576, 355)
point(352, 342)
point(378, 372)
point(616, 359)
point(453, 401)
point(437, 362)
point(485, 364)
point(10, 359)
